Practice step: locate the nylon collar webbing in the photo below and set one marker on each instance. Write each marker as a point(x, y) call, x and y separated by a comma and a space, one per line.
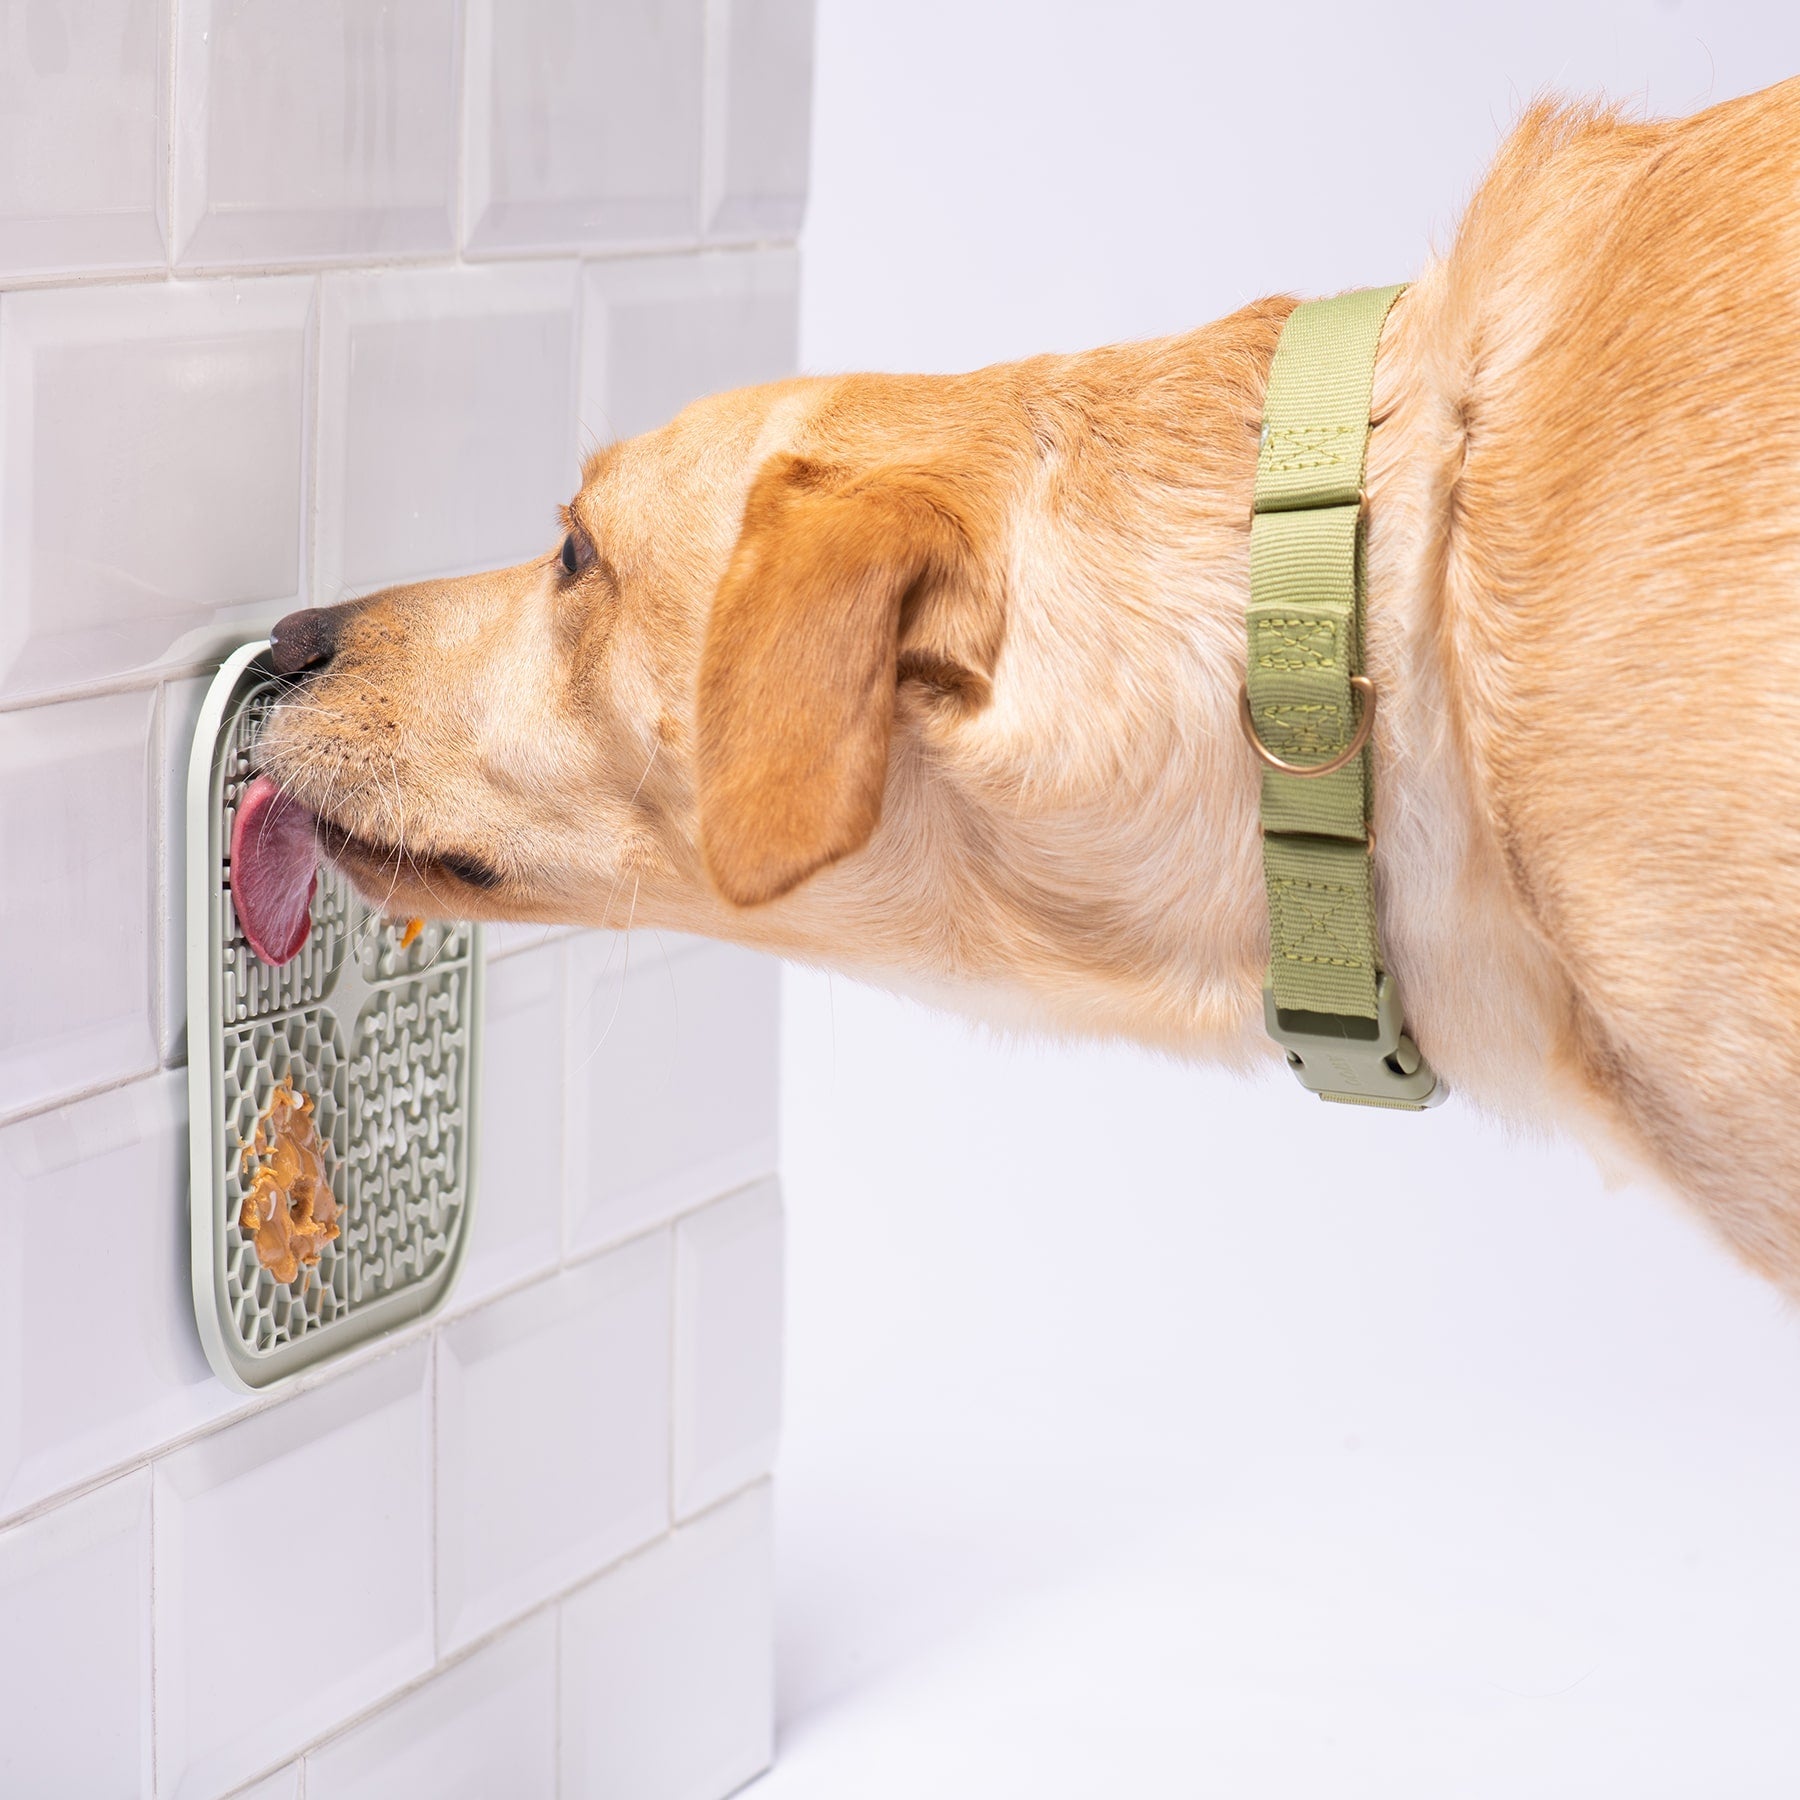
point(1327, 1000)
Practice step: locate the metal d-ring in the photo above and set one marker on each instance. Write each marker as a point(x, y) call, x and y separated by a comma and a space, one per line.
point(1364, 725)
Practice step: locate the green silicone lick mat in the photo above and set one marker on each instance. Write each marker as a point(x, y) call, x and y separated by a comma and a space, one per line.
point(384, 1038)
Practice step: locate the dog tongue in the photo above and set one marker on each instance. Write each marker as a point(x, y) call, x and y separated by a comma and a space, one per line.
point(274, 870)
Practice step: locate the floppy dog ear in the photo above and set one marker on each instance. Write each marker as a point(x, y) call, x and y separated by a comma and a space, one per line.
point(801, 662)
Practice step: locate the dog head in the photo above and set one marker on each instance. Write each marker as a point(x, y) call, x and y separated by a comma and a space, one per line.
point(690, 701)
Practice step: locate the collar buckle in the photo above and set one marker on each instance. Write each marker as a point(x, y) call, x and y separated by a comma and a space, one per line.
point(1359, 1061)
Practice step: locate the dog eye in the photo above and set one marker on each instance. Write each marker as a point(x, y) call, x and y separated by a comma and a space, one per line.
point(578, 552)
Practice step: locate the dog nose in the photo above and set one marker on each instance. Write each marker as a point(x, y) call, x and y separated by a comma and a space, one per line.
point(306, 639)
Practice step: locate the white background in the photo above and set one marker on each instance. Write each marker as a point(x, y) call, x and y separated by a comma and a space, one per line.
point(1152, 1433)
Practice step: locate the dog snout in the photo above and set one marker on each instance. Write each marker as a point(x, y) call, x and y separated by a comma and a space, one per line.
point(306, 640)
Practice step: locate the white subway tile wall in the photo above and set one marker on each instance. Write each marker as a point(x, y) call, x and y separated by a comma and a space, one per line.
point(90, 74)
point(75, 1646)
point(447, 432)
point(584, 124)
point(562, 1388)
point(673, 1098)
point(99, 1364)
point(294, 1536)
point(759, 73)
point(484, 1729)
point(727, 1345)
point(519, 1136)
point(668, 1664)
point(332, 296)
point(663, 330)
point(77, 906)
point(153, 494)
point(317, 132)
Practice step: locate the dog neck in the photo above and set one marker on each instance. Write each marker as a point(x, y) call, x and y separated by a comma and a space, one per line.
point(1083, 853)
point(1481, 988)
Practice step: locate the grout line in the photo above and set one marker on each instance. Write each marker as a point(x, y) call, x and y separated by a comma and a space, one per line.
point(155, 1658)
point(171, 97)
point(452, 1314)
point(432, 1494)
point(129, 681)
point(685, 1209)
point(699, 1517)
point(566, 1161)
point(675, 1407)
point(330, 262)
point(578, 372)
point(159, 275)
point(585, 250)
point(314, 458)
point(453, 257)
point(347, 1363)
point(715, 81)
point(31, 281)
point(38, 1109)
point(463, 100)
point(556, 1707)
point(553, 936)
point(576, 1127)
point(297, 1762)
point(162, 876)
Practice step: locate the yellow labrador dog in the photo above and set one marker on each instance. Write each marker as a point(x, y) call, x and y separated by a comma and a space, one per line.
point(934, 679)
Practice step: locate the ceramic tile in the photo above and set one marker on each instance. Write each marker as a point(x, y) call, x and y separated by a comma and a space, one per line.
point(583, 124)
point(76, 957)
point(89, 73)
point(668, 1667)
point(298, 1537)
point(728, 1292)
point(93, 1225)
point(75, 1649)
point(672, 1093)
point(323, 130)
point(553, 1436)
point(175, 533)
point(663, 330)
point(759, 116)
point(517, 1228)
point(483, 1730)
point(447, 421)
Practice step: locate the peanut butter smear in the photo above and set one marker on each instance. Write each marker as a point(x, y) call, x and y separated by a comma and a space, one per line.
point(290, 1206)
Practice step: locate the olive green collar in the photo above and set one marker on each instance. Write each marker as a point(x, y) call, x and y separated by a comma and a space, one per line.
point(1308, 709)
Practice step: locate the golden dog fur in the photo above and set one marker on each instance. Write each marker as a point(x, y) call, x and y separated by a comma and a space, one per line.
point(933, 679)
